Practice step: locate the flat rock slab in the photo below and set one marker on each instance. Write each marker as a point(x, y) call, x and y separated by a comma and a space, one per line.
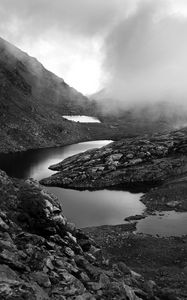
point(130, 163)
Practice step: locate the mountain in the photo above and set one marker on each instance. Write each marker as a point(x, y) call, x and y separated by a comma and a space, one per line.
point(143, 116)
point(32, 102)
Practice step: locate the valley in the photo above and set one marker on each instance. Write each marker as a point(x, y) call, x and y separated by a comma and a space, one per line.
point(134, 168)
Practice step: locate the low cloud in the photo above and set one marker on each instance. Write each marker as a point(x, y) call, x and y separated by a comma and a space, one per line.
point(146, 59)
point(136, 48)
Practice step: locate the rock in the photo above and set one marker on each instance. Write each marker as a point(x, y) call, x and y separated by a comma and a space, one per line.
point(96, 252)
point(167, 294)
point(72, 285)
point(135, 275)
point(173, 204)
point(90, 257)
point(3, 225)
point(130, 293)
point(123, 268)
point(70, 227)
point(36, 265)
point(41, 278)
point(69, 252)
point(130, 156)
point(85, 296)
point(104, 281)
point(7, 274)
point(135, 218)
point(11, 258)
point(71, 238)
point(6, 242)
point(49, 263)
point(58, 240)
point(54, 278)
point(90, 269)
point(16, 290)
point(85, 244)
point(112, 167)
point(114, 157)
point(135, 161)
point(131, 163)
point(84, 277)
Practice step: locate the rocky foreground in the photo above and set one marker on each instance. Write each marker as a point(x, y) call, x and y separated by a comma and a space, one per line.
point(161, 259)
point(43, 256)
point(138, 162)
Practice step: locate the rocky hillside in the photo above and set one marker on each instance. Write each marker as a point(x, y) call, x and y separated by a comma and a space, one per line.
point(129, 163)
point(32, 102)
point(43, 256)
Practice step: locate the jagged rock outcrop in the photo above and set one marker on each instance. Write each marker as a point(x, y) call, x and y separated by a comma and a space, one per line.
point(43, 256)
point(129, 163)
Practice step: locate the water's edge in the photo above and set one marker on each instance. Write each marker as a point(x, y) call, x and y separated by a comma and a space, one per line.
point(84, 208)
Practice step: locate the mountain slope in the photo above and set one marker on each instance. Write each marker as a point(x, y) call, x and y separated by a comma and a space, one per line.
point(145, 116)
point(32, 102)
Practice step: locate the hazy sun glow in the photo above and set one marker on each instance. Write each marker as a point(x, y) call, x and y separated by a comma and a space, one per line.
point(81, 69)
point(84, 75)
point(70, 45)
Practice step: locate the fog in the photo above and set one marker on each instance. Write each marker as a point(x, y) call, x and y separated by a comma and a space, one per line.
point(145, 57)
point(137, 48)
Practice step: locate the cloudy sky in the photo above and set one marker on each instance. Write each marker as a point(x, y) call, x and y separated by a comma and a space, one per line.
point(135, 49)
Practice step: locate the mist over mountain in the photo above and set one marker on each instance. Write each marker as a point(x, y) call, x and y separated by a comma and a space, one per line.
point(145, 57)
point(139, 46)
point(32, 102)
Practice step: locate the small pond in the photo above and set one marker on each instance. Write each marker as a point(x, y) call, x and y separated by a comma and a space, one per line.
point(82, 119)
point(84, 208)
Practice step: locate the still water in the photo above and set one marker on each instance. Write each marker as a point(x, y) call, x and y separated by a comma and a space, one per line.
point(169, 223)
point(82, 119)
point(86, 208)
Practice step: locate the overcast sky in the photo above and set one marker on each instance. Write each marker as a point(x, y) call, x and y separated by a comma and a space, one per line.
point(136, 49)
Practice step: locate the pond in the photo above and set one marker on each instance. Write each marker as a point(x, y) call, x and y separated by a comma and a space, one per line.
point(82, 119)
point(82, 207)
point(85, 208)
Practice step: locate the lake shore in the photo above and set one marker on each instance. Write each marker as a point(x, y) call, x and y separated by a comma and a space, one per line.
point(162, 259)
point(43, 256)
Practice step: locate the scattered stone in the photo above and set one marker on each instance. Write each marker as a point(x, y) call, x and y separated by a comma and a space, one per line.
point(69, 252)
point(3, 225)
point(41, 257)
point(49, 263)
point(173, 204)
point(42, 279)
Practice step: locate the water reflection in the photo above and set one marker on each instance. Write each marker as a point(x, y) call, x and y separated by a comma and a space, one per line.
point(83, 208)
point(82, 119)
point(164, 224)
point(35, 163)
point(90, 208)
point(103, 207)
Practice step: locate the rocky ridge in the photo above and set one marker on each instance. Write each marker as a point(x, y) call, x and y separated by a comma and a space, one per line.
point(136, 163)
point(43, 256)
